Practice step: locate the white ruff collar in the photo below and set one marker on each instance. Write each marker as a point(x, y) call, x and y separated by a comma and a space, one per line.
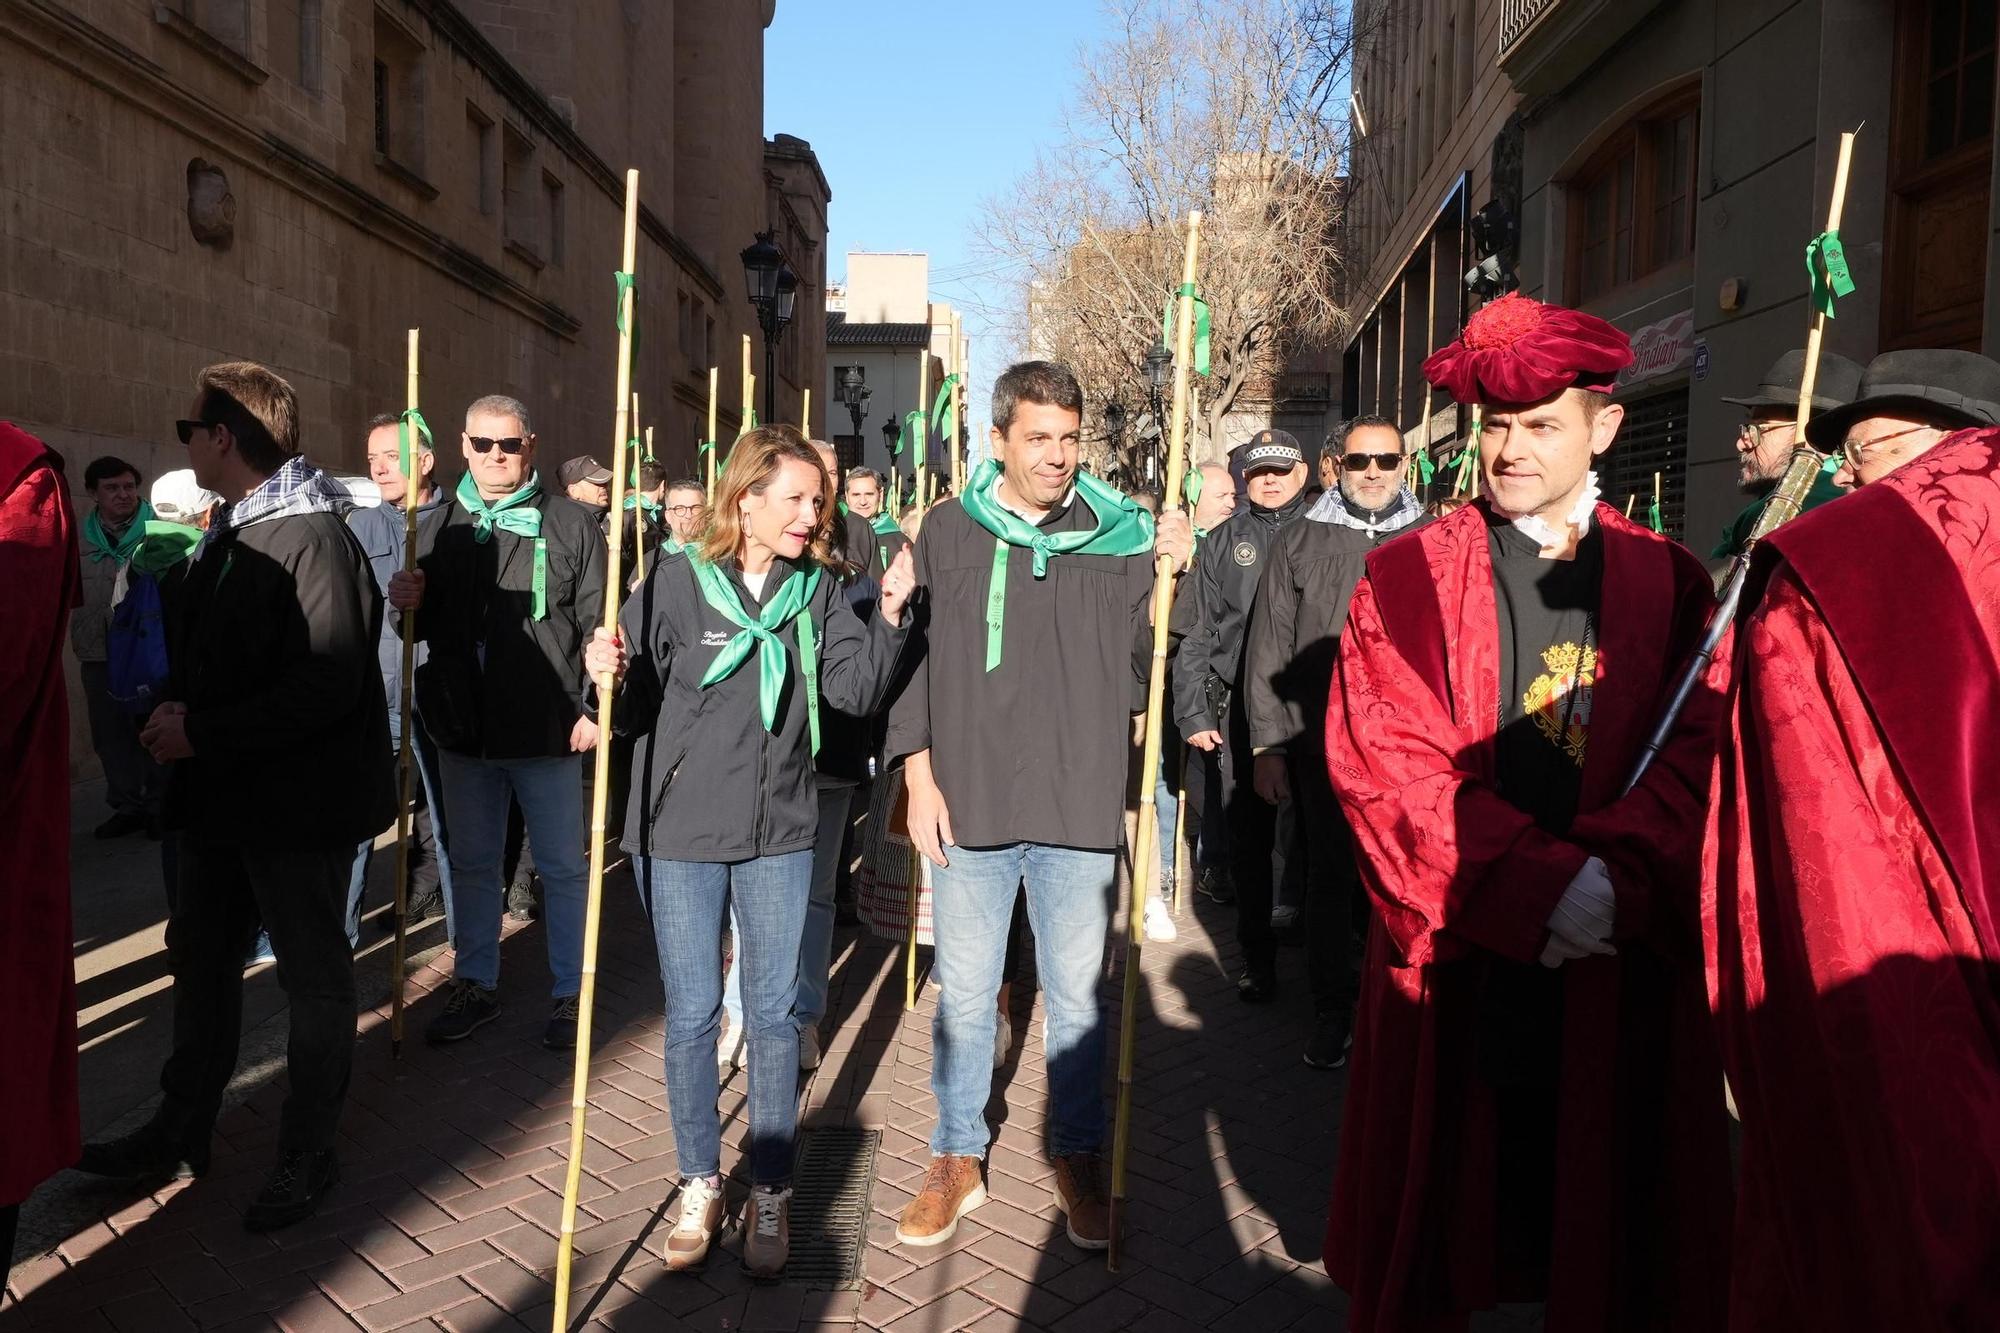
point(1534, 526)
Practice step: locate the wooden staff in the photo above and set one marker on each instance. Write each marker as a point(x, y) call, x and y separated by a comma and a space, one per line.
point(806, 414)
point(713, 373)
point(1147, 850)
point(923, 431)
point(640, 510)
point(959, 398)
point(606, 696)
point(405, 818)
point(1628, 503)
point(1180, 837)
point(749, 389)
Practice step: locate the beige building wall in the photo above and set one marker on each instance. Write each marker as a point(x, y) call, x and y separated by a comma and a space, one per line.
point(889, 288)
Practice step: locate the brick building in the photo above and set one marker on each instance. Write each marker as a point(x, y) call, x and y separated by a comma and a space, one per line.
point(299, 181)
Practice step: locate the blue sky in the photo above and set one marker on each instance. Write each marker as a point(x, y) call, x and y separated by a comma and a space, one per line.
point(873, 84)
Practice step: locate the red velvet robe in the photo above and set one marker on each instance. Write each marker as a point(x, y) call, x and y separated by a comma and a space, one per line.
point(1853, 908)
point(1457, 875)
point(38, 586)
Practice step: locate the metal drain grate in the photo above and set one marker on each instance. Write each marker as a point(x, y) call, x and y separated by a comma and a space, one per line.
point(832, 1185)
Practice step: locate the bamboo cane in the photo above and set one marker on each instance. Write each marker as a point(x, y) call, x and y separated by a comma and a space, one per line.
point(1785, 503)
point(959, 397)
point(923, 440)
point(918, 444)
point(1628, 503)
point(640, 510)
point(405, 818)
point(714, 372)
point(1146, 852)
point(606, 697)
point(1180, 838)
point(749, 390)
point(806, 414)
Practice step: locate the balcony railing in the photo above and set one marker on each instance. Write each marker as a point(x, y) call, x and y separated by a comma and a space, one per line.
point(1517, 16)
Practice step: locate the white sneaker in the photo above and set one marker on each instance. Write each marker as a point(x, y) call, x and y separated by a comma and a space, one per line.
point(1003, 1040)
point(700, 1218)
point(729, 1050)
point(1159, 922)
point(809, 1052)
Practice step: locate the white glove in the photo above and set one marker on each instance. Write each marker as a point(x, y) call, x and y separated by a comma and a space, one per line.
point(1582, 922)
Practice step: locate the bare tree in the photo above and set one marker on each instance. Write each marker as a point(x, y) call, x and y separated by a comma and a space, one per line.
point(1221, 106)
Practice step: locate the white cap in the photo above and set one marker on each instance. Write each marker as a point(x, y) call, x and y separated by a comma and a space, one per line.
point(178, 498)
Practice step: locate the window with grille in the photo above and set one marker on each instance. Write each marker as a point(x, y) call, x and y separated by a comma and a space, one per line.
point(1653, 439)
point(1632, 208)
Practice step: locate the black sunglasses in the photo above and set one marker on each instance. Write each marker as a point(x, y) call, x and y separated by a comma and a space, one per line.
point(1360, 462)
point(482, 445)
point(186, 429)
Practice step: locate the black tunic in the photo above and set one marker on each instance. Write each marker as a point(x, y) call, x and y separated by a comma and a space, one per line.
point(1036, 749)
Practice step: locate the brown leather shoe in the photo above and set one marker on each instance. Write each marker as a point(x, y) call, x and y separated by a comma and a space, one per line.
point(952, 1188)
point(694, 1230)
point(1079, 1191)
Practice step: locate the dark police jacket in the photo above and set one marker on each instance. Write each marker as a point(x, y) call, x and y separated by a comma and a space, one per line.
point(1229, 564)
point(709, 783)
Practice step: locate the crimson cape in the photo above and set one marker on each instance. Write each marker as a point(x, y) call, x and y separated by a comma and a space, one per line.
point(37, 980)
point(1457, 875)
point(1853, 896)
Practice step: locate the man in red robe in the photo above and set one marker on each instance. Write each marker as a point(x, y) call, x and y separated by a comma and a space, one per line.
point(1536, 1108)
point(37, 983)
point(1853, 876)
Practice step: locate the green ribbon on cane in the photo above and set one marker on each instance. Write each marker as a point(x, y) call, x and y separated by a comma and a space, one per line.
point(791, 600)
point(513, 514)
point(1201, 325)
point(1826, 266)
point(1123, 528)
point(1426, 466)
point(917, 429)
point(942, 403)
point(1653, 518)
point(410, 417)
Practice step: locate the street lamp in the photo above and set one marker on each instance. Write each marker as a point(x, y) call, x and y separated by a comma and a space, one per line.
point(1159, 370)
point(854, 391)
point(1114, 431)
point(773, 289)
point(889, 433)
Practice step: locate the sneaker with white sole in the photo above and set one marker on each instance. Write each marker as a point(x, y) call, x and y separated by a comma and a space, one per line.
point(1003, 1040)
point(952, 1188)
point(1159, 923)
point(767, 1234)
point(729, 1050)
point(694, 1230)
point(809, 1052)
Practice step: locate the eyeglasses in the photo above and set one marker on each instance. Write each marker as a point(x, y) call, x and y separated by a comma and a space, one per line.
point(1757, 433)
point(482, 445)
point(1851, 449)
point(1360, 462)
point(186, 429)
point(685, 511)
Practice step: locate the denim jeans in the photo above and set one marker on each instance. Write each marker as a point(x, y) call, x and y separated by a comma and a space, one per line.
point(1069, 907)
point(685, 901)
point(550, 791)
point(816, 944)
point(429, 856)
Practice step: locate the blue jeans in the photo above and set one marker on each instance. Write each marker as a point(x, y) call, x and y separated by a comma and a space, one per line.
point(434, 841)
point(1069, 907)
point(550, 793)
point(1168, 805)
point(685, 901)
point(816, 944)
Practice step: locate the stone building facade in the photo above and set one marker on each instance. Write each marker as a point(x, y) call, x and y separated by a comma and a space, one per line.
point(1672, 159)
point(300, 181)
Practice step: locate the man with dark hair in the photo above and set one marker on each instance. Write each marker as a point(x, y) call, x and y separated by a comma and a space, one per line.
point(686, 510)
point(1534, 1112)
point(1309, 578)
point(109, 535)
point(510, 580)
point(1014, 735)
point(380, 532)
point(1209, 704)
point(873, 539)
point(1329, 456)
point(275, 727)
point(1769, 432)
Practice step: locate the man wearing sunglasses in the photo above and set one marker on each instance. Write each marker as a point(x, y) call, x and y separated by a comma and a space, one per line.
point(510, 582)
point(1308, 580)
point(1535, 1109)
point(1765, 439)
point(1854, 873)
point(1209, 704)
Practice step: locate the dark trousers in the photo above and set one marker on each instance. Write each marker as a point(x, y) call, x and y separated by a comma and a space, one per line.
point(1332, 884)
point(300, 894)
point(131, 779)
point(1253, 833)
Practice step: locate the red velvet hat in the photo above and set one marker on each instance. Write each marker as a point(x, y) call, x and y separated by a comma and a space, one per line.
point(1518, 350)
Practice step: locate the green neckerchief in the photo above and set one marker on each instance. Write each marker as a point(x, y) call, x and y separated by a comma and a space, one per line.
point(885, 526)
point(791, 599)
point(100, 547)
point(1122, 529)
point(164, 546)
point(512, 514)
point(653, 508)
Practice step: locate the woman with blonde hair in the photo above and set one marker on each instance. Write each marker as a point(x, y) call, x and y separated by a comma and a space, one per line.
point(725, 660)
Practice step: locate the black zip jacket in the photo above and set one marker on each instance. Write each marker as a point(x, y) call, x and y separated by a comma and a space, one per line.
point(272, 649)
point(869, 549)
point(1309, 578)
point(1227, 568)
point(479, 607)
point(708, 782)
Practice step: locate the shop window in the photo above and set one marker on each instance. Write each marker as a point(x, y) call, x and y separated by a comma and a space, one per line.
point(1632, 208)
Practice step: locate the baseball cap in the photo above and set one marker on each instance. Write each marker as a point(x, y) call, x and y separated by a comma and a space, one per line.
point(584, 468)
point(178, 498)
point(1272, 449)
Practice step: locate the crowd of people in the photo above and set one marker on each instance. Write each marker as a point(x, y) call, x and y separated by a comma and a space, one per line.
point(1560, 918)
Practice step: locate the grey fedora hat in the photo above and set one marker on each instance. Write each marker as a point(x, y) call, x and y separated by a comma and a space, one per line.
point(1953, 388)
point(1837, 382)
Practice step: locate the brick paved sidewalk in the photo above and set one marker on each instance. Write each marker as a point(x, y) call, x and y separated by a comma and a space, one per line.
point(454, 1160)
